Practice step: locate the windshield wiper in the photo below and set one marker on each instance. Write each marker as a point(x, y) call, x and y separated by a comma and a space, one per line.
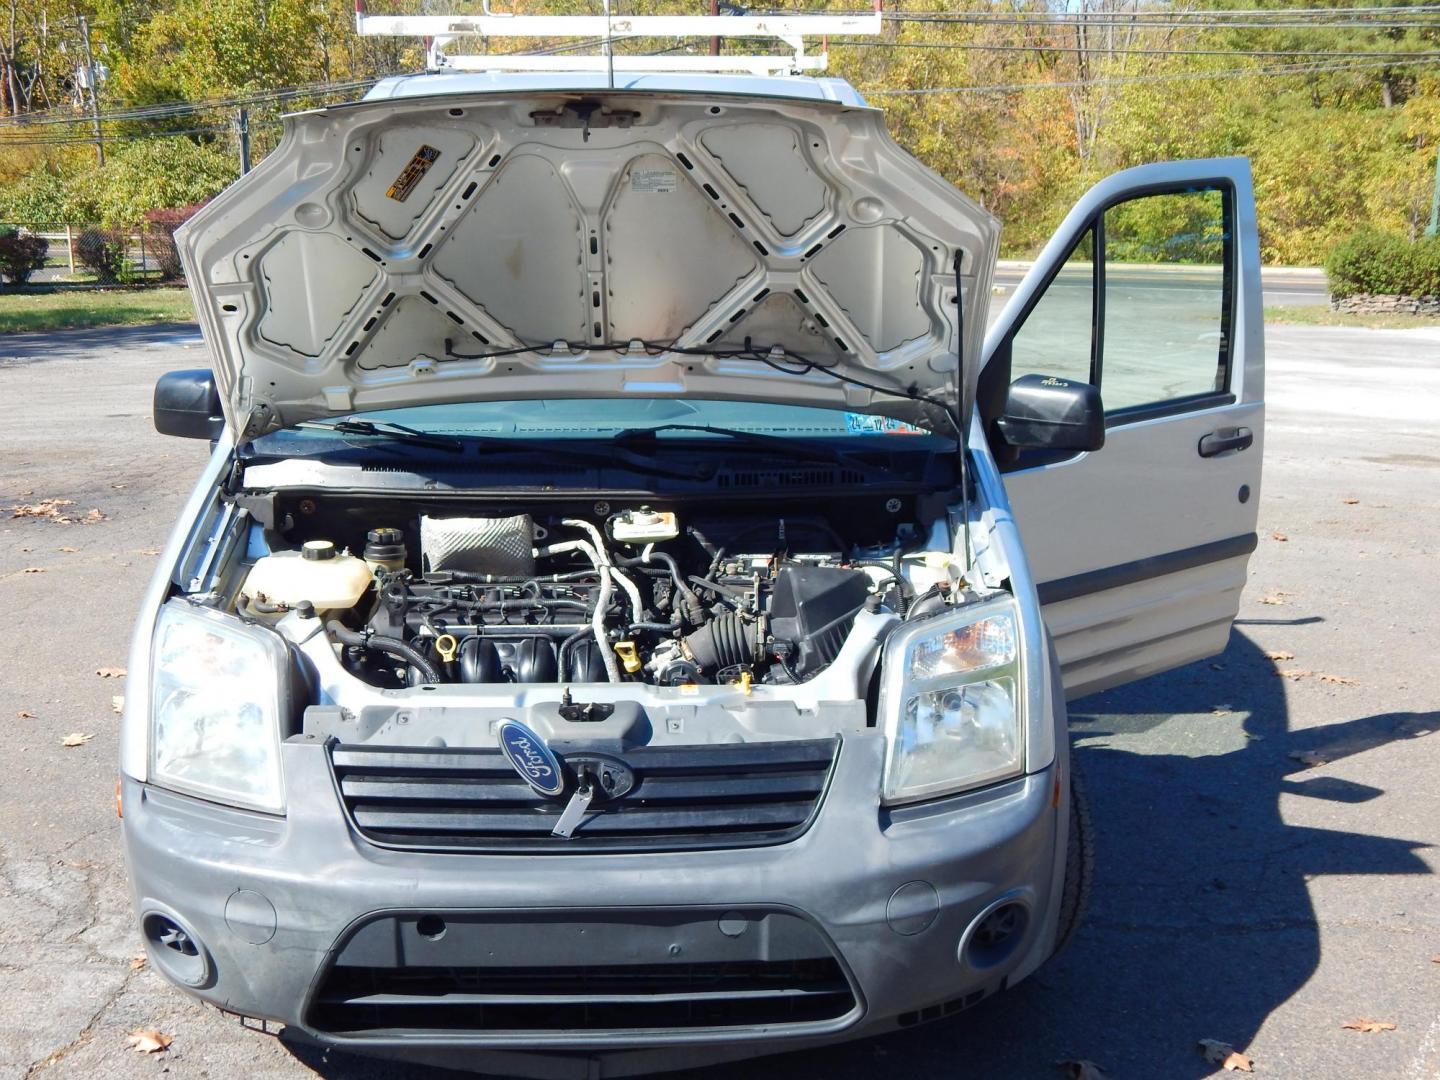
point(387, 429)
point(790, 446)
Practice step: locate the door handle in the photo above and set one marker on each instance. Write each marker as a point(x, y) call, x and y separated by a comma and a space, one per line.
point(1218, 442)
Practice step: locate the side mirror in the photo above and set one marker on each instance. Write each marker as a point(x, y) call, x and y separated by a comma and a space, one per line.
point(187, 404)
point(1043, 412)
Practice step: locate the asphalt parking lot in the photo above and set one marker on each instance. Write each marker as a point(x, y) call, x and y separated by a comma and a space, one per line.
point(1241, 895)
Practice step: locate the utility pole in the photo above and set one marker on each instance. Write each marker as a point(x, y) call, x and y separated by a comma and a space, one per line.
point(714, 41)
point(242, 126)
point(90, 84)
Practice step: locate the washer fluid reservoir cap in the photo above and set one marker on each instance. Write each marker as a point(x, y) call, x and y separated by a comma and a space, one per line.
point(318, 550)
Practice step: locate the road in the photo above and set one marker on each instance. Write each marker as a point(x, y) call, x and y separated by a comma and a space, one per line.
point(1282, 286)
point(1239, 896)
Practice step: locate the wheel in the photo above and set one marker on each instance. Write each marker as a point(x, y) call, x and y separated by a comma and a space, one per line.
point(1079, 863)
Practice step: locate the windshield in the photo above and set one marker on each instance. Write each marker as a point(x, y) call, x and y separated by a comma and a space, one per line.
point(604, 419)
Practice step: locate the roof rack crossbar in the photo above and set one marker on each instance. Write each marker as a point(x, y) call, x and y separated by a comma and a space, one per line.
point(440, 31)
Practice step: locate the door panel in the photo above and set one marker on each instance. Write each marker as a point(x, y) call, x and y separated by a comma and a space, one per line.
point(1139, 549)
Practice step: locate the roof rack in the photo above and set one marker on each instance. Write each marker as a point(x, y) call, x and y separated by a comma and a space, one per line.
point(441, 31)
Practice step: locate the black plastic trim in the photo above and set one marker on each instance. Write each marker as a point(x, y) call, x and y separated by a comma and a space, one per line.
point(1172, 562)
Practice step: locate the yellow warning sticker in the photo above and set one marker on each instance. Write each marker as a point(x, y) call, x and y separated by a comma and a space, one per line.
point(413, 173)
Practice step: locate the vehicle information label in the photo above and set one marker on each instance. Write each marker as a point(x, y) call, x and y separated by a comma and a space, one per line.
point(662, 181)
point(413, 173)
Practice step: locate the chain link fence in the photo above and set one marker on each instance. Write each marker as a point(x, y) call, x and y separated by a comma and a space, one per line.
point(82, 255)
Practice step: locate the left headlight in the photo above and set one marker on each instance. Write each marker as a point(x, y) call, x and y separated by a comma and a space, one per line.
point(219, 689)
point(951, 698)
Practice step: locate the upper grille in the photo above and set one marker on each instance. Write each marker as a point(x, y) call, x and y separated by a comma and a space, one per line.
point(684, 798)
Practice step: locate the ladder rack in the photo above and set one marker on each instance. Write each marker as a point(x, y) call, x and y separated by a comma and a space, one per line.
point(441, 31)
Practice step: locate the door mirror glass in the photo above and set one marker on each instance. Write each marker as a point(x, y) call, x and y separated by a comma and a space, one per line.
point(187, 404)
point(1044, 412)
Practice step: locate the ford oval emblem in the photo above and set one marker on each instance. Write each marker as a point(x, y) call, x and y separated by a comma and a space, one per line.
point(532, 759)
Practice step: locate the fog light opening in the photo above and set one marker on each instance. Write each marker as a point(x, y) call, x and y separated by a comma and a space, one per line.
point(431, 927)
point(175, 949)
point(996, 934)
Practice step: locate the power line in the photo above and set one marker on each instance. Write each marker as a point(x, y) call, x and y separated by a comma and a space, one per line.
point(1233, 73)
point(185, 108)
point(1065, 47)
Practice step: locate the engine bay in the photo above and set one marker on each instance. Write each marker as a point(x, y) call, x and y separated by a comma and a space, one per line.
point(646, 594)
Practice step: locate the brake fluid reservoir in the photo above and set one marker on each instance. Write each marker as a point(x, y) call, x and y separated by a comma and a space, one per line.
point(330, 580)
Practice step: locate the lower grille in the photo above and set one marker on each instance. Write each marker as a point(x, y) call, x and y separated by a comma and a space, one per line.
point(761, 969)
point(684, 798)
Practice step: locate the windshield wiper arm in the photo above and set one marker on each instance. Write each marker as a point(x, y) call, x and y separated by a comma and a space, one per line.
point(387, 429)
point(790, 446)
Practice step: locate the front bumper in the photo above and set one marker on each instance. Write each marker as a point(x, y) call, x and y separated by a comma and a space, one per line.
point(268, 902)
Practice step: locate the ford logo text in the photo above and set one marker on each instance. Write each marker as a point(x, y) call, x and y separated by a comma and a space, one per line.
point(531, 758)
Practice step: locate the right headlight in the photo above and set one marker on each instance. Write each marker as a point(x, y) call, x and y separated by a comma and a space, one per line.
point(219, 689)
point(950, 700)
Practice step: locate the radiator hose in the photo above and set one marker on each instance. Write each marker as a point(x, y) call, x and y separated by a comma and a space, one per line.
point(380, 643)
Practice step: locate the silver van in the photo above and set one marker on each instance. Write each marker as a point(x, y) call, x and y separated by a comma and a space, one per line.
point(627, 616)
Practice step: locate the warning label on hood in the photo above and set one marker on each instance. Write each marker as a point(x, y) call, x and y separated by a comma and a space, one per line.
point(660, 181)
point(413, 173)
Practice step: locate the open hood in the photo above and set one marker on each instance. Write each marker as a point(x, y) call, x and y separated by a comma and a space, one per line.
point(391, 253)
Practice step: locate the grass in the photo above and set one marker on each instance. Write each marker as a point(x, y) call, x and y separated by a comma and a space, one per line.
point(1323, 316)
point(77, 309)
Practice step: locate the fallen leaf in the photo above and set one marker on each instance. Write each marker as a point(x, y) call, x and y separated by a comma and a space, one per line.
point(1279, 536)
point(68, 549)
point(1080, 1069)
point(1309, 758)
point(1349, 502)
point(149, 1042)
point(137, 962)
point(1369, 1026)
point(117, 703)
point(1342, 680)
point(1279, 654)
point(1272, 598)
point(1293, 674)
point(53, 509)
point(1217, 667)
point(23, 715)
point(149, 551)
point(33, 570)
point(1226, 1056)
point(110, 672)
point(76, 738)
point(1435, 959)
point(93, 515)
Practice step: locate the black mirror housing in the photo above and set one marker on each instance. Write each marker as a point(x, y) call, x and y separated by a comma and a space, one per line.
point(1045, 412)
point(187, 404)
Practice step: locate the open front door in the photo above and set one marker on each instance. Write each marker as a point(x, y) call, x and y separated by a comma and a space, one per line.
point(1150, 291)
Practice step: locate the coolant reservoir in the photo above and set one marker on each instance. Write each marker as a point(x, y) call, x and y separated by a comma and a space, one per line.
point(332, 581)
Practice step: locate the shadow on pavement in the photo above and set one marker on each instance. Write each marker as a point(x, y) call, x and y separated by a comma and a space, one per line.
point(55, 344)
point(1200, 923)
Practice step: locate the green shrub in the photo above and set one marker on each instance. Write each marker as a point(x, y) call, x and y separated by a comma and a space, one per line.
point(103, 252)
point(21, 256)
point(1372, 261)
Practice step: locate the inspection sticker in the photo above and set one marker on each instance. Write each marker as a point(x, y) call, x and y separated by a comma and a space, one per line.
point(662, 181)
point(413, 173)
point(865, 424)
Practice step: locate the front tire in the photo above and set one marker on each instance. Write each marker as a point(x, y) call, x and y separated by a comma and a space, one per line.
point(1079, 863)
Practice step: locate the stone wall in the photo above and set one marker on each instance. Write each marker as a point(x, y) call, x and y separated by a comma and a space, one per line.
point(1372, 303)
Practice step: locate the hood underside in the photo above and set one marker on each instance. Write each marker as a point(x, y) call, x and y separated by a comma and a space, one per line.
point(392, 253)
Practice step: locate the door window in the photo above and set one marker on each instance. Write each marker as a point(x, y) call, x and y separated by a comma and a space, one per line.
point(1141, 307)
point(1047, 342)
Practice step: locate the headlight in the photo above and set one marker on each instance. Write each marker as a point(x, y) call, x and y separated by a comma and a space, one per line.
point(218, 691)
point(950, 699)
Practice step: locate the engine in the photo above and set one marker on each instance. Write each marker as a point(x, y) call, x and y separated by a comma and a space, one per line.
point(630, 597)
